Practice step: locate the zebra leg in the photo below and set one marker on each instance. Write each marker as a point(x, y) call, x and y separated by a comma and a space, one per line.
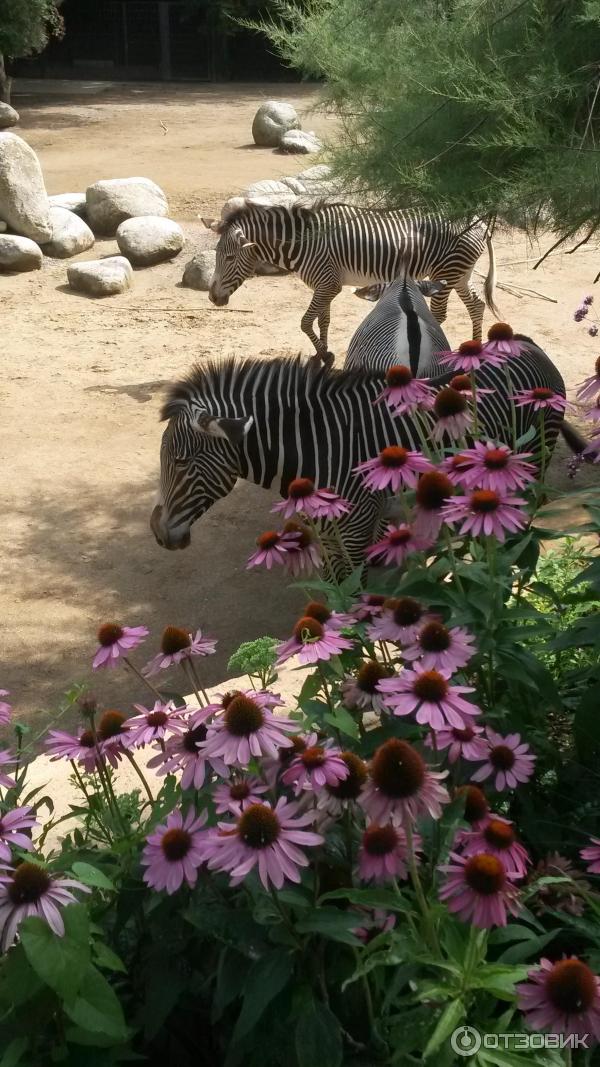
point(324, 319)
point(319, 309)
point(439, 304)
point(357, 531)
point(473, 303)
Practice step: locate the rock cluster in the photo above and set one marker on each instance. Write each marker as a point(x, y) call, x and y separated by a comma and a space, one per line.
point(276, 125)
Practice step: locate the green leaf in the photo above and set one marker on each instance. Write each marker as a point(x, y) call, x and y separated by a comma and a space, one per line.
point(318, 1037)
point(331, 923)
point(90, 875)
point(500, 980)
point(231, 978)
point(342, 720)
point(105, 957)
point(96, 1007)
point(266, 978)
point(369, 898)
point(60, 962)
point(586, 727)
point(527, 950)
point(14, 1053)
point(450, 1018)
point(18, 981)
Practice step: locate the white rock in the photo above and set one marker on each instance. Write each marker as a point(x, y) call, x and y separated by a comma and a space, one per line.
point(8, 116)
point(299, 142)
point(71, 201)
point(3, 227)
point(19, 254)
point(272, 120)
point(109, 203)
point(199, 271)
point(70, 235)
point(23, 199)
point(149, 240)
point(101, 277)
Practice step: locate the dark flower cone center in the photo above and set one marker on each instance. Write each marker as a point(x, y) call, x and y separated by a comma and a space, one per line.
point(432, 686)
point(571, 986)
point(540, 393)
point(406, 611)
point(499, 834)
point(597, 367)
point(496, 459)
point(369, 676)
point(304, 535)
point(314, 756)
point(300, 488)
point(502, 758)
point(398, 376)
point(458, 462)
point(307, 628)
point(393, 456)
point(176, 844)
point(470, 348)
point(399, 537)
point(380, 840)
point(268, 539)
point(226, 701)
point(317, 611)
point(449, 402)
point(287, 754)
point(463, 735)
point(351, 786)
point(461, 383)
point(500, 331)
point(239, 791)
point(87, 739)
point(434, 637)
point(111, 725)
point(484, 501)
point(174, 639)
point(194, 737)
point(476, 805)
point(243, 717)
point(29, 884)
point(397, 769)
point(433, 489)
point(157, 718)
point(259, 826)
point(485, 874)
point(109, 633)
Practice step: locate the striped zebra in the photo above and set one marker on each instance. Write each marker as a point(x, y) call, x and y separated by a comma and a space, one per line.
point(270, 421)
point(332, 245)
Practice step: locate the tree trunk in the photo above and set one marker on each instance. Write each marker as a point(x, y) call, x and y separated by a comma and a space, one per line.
point(5, 82)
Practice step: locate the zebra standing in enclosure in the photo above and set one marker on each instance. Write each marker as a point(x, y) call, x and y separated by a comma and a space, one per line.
point(332, 245)
point(270, 421)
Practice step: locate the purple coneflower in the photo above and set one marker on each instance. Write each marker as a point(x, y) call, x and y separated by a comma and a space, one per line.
point(479, 889)
point(360, 691)
point(463, 384)
point(116, 641)
point(591, 855)
point(312, 641)
point(469, 356)
point(235, 796)
point(462, 742)
point(428, 692)
point(507, 759)
point(376, 922)
point(401, 786)
point(331, 505)
point(590, 387)
point(561, 998)
point(30, 890)
point(501, 342)
point(303, 557)
point(272, 547)
point(247, 729)
point(316, 766)
point(83, 749)
point(154, 725)
point(175, 851)
point(334, 799)
point(453, 415)
point(183, 752)
point(593, 415)
point(383, 854)
point(394, 468)
point(403, 394)
point(315, 503)
point(6, 760)
point(177, 644)
point(438, 648)
point(541, 398)
point(476, 805)
point(499, 839)
point(11, 825)
point(433, 491)
point(495, 467)
point(368, 607)
point(113, 735)
point(265, 837)
point(335, 620)
point(5, 709)
point(485, 511)
point(398, 543)
point(400, 620)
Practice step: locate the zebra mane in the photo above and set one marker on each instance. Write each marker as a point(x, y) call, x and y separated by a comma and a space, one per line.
point(299, 210)
point(223, 373)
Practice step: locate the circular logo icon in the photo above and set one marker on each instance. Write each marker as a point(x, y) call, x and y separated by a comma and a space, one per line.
point(465, 1041)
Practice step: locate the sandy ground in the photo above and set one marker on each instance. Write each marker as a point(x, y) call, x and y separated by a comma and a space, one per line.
point(82, 381)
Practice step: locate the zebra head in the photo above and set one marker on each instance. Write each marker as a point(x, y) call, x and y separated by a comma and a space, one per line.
point(199, 464)
point(236, 261)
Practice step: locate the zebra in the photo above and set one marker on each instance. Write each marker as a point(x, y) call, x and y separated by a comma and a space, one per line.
point(332, 245)
point(270, 421)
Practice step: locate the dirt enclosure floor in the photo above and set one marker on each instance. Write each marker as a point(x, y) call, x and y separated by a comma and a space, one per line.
point(82, 380)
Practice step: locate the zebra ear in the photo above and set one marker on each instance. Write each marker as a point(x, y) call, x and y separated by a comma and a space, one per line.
point(232, 430)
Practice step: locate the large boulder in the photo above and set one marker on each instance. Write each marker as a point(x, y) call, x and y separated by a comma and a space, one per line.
point(70, 235)
point(74, 202)
point(8, 116)
point(271, 121)
point(3, 226)
point(299, 142)
point(109, 203)
point(23, 199)
point(199, 270)
point(101, 277)
point(19, 254)
point(149, 240)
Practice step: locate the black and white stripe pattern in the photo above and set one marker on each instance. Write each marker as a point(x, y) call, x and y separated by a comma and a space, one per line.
point(333, 245)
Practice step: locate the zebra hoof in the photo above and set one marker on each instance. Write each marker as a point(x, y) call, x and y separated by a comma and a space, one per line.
point(328, 360)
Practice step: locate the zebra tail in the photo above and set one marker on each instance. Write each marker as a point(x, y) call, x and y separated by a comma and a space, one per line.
point(575, 441)
point(489, 284)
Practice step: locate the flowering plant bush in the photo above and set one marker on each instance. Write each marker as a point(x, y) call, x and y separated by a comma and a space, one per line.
point(410, 844)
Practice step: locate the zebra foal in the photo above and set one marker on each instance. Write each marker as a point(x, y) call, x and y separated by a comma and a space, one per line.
point(332, 245)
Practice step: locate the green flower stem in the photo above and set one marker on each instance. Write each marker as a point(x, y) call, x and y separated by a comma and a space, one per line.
point(93, 814)
point(430, 933)
point(543, 450)
point(327, 696)
point(196, 673)
point(141, 677)
point(475, 411)
point(109, 792)
point(286, 919)
point(428, 447)
point(326, 555)
point(340, 541)
point(140, 776)
point(448, 539)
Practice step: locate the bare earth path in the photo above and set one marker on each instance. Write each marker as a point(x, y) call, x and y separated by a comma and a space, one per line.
point(81, 386)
